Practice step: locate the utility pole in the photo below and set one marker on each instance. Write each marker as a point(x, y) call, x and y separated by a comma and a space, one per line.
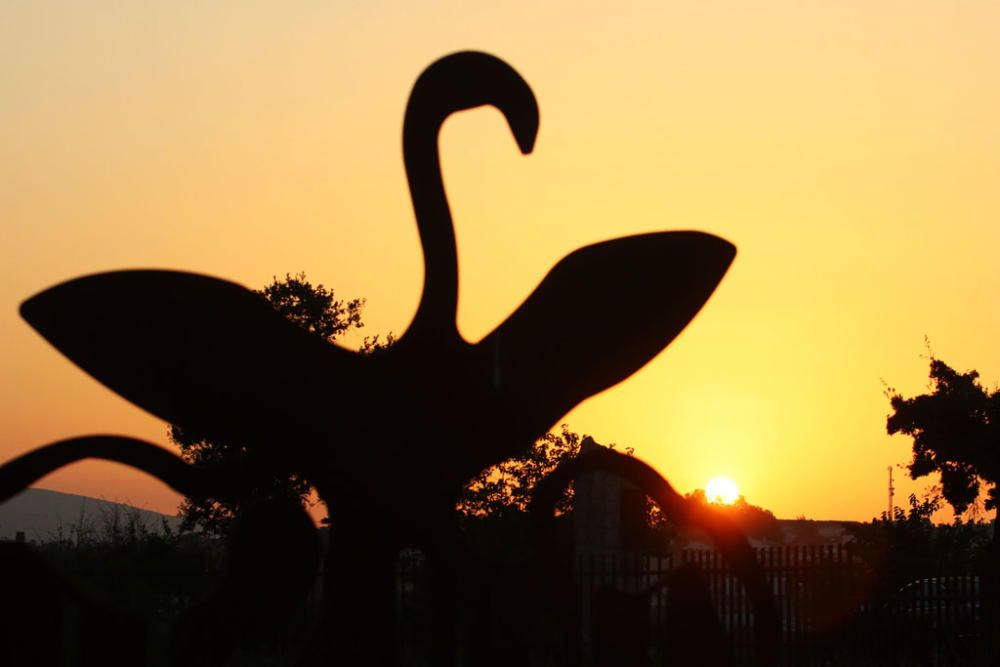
point(892, 490)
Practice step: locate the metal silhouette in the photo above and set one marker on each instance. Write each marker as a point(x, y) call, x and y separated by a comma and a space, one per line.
point(387, 440)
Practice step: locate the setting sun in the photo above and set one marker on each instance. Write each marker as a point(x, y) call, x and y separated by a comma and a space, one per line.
point(722, 490)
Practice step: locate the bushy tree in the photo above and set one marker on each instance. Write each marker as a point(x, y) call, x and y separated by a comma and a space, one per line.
point(905, 545)
point(956, 432)
point(135, 564)
point(315, 309)
point(754, 521)
point(507, 487)
point(494, 504)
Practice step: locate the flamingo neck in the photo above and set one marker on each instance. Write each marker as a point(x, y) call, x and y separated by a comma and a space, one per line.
point(439, 300)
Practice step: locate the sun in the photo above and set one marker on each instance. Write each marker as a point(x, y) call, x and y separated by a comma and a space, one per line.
point(722, 491)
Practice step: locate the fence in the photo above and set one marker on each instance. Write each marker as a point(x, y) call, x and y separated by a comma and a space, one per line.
point(832, 608)
point(833, 611)
point(631, 610)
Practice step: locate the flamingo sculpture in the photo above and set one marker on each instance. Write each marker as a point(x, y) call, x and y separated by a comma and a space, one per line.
point(387, 440)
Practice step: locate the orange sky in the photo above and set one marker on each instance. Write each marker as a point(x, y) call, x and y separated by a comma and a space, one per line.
point(850, 150)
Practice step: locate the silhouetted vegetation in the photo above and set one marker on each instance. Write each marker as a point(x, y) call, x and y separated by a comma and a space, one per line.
point(907, 546)
point(506, 488)
point(956, 432)
point(494, 504)
point(754, 521)
point(122, 559)
point(315, 309)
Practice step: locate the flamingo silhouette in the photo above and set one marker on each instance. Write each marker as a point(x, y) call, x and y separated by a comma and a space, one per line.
point(387, 440)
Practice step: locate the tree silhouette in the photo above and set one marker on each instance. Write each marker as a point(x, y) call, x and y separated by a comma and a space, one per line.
point(314, 309)
point(507, 486)
point(956, 432)
point(754, 521)
point(906, 546)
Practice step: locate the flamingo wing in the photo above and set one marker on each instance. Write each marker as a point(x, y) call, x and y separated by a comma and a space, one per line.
point(202, 353)
point(601, 314)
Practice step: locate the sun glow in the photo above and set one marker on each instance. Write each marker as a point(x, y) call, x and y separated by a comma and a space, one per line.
point(722, 491)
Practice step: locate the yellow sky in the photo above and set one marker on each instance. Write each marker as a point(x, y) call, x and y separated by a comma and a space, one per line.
point(850, 150)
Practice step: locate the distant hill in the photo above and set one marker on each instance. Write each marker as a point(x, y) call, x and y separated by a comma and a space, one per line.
point(42, 515)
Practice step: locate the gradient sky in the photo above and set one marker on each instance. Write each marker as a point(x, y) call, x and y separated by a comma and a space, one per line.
point(850, 150)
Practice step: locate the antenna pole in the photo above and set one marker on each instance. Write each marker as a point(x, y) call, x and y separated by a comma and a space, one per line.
point(892, 490)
